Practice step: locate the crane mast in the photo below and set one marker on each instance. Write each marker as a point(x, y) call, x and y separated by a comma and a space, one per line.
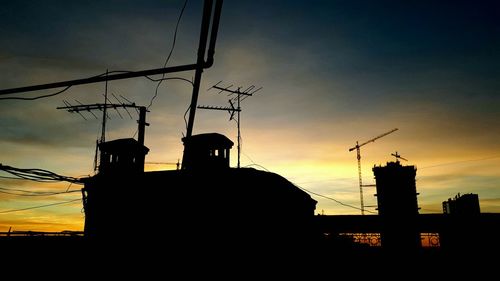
point(358, 156)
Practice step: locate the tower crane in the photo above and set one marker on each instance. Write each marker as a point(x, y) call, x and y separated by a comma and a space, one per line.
point(358, 152)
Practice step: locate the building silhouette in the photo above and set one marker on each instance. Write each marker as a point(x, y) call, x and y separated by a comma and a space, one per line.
point(397, 206)
point(206, 203)
point(464, 205)
point(207, 151)
point(121, 156)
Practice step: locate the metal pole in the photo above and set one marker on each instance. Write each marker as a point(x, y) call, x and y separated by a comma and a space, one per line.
point(239, 134)
point(200, 64)
point(142, 125)
point(104, 112)
point(360, 180)
point(140, 136)
point(205, 24)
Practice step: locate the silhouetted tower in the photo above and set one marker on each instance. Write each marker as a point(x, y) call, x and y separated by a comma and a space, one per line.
point(462, 205)
point(358, 156)
point(122, 156)
point(206, 151)
point(464, 231)
point(397, 206)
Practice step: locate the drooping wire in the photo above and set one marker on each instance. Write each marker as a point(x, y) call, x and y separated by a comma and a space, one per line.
point(10, 178)
point(30, 191)
point(251, 160)
point(27, 191)
point(169, 54)
point(40, 206)
point(333, 199)
point(170, 78)
point(38, 97)
point(95, 76)
point(33, 193)
point(460, 162)
point(257, 165)
point(38, 175)
point(314, 193)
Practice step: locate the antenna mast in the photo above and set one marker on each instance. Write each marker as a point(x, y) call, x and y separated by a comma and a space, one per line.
point(104, 113)
point(232, 110)
point(103, 107)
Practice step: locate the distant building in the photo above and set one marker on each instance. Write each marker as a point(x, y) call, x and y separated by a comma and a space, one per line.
point(467, 229)
point(397, 206)
point(466, 204)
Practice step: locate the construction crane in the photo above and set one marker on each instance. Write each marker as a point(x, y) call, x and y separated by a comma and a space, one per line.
point(358, 152)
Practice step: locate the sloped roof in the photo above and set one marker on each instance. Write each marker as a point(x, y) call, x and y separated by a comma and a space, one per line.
point(128, 144)
point(209, 141)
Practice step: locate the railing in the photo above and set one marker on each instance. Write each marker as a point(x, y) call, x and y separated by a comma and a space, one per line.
point(371, 239)
point(40, 233)
point(430, 240)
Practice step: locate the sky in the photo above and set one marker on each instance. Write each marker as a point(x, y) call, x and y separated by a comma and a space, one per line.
point(332, 72)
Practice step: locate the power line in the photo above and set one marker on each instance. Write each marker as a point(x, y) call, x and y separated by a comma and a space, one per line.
point(11, 178)
point(32, 193)
point(317, 194)
point(170, 78)
point(40, 206)
point(330, 180)
point(333, 199)
point(38, 175)
point(246, 155)
point(169, 54)
point(38, 97)
point(257, 165)
point(459, 162)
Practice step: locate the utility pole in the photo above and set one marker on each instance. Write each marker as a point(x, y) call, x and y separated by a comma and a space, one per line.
point(358, 156)
point(200, 63)
point(250, 91)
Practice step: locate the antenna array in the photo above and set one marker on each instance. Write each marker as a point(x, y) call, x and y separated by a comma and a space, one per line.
point(236, 97)
point(79, 108)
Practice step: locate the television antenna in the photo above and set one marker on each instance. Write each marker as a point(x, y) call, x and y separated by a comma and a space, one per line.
point(237, 96)
point(104, 107)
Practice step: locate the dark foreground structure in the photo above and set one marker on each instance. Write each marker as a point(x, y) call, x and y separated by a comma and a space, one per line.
point(205, 203)
point(239, 205)
point(208, 213)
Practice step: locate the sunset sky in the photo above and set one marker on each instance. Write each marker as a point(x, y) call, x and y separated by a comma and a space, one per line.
point(332, 72)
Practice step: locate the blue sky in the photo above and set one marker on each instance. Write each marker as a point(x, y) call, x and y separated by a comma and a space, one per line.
point(333, 72)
